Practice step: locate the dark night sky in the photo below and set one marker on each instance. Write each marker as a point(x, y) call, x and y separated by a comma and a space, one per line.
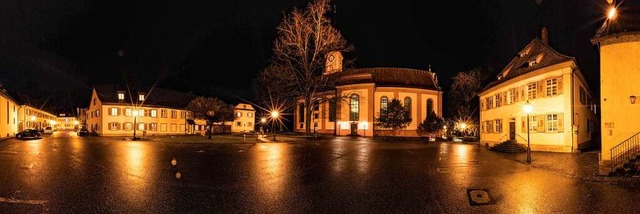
point(61, 48)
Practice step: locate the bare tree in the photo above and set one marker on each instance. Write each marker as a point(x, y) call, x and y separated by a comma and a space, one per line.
point(304, 37)
point(395, 116)
point(464, 92)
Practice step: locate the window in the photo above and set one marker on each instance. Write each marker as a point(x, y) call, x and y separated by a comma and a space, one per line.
point(238, 114)
point(301, 112)
point(383, 105)
point(498, 100)
point(153, 126)
point(127, 112)
point(183, 114)
point(98, 113)
point(249, 114)
point(174, 127)
point(552, 87)
point(489, 102)
point(174, 114)
point(354, 108)
point(513, 96)
point(141, 126)
point(140, 112)
point(238, 123)
point(533, 123)
point(94, 101)
point(531, 90)
point(114, 111)
point(182, 127)
point(163, 127)
point(154, 113)
point(332, 110)
point(552, 122)
point(250, 124)
point(498, 125)
point(121, 96)
point(114, 126)
point(429, 105)
point(489, 126)
point(407, 105)
point(163, 113)
point(140, 97)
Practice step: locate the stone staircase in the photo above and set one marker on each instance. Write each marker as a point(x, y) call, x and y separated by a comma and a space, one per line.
point(509, 146)
point(630, 168)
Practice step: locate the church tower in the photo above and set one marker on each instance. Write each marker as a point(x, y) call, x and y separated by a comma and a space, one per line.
point(333, 62)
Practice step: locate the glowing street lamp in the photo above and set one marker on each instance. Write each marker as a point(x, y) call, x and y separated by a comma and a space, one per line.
point(274, 116)
point(262, 122)
point(528, 108)
point(463, 126)
point(135, 115)
point(612, 14)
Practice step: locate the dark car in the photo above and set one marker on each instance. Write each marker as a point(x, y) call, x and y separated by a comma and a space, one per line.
point(29, 134)
point(83, 132)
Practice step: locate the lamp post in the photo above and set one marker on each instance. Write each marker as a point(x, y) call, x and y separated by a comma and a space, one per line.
point(528, 108)
point(262, 122)
point(274, 115)
point(135, 126)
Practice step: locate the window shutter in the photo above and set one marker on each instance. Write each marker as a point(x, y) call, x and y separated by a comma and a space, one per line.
point(504, 98)
point(559, 82)
point(540, 88)
point(541, 119)
point(523, 93)
point(481, 105)
point(482, 126)
point(524, 125)
point(560, 123)
point(516, 91)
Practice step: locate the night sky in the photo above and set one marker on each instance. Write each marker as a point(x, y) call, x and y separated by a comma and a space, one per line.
point(61, 48)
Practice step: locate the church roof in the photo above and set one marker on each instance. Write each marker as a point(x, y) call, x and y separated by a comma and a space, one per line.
point(157, 97)
point(627, 21)
point(533, 56)
point(388, 76)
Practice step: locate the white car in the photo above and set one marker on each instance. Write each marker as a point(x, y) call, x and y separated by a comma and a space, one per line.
point(48, 130)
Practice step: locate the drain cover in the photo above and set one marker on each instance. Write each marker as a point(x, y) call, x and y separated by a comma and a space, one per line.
point(479, 197)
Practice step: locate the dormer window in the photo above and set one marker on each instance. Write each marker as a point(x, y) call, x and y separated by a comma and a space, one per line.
point(141, 97)
point(532, 63)
point(120, 95)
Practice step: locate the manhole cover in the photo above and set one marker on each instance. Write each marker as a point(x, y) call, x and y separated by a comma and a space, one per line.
point(479, 197)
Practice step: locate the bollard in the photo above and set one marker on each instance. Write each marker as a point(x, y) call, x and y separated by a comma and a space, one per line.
point(244, 137)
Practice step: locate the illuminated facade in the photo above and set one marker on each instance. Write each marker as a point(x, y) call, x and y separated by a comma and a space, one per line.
point(245, 117)
point(66, 122)
point(360, 94)
point(8, 114)
point(564, 111)
point(114, 112)
point(30, 117)
point(619, 44)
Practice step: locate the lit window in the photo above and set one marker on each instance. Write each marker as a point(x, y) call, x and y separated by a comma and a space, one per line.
point(498, 125)
point(114, 126)
point(141, 97)
point(407, 104)
point(174, 114)
point(127, 112)
point(533, 123)
point(354, 107)
point(141, 112)
point(121, 96)
point(531, 90)
point(238, 114)
point(513, 95)
point(114, 111)
point(498, 100)
point(249, 114)
point(552, 122)
point(128, 126)
point(552, 87)
point(153, 126)
point(154, 113)
point(383, 105)
point(140, 126)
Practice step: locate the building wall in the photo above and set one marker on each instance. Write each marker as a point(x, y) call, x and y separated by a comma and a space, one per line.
point(121, 123)
point(585, 119)
point(8, 117)
point(66, 123)
point(94, 114)
point(619, 70)
point(34, 118)
point(541, 139)
point(366, 113)
point(244, 121)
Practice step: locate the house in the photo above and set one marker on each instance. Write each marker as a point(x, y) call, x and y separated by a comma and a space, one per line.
point(8, 114)
point(351, 108)
point(116, 111)
point(563, 116)
point(245, 117)
point(66, 121)
point(618, 40)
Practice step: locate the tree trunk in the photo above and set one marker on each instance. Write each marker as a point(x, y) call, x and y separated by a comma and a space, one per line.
point(307, 118)
point(209, 131)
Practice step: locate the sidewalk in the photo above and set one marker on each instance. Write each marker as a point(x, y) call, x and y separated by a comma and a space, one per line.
point(580, 166)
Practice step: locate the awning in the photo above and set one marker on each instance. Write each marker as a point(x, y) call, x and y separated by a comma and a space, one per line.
point(190, 122)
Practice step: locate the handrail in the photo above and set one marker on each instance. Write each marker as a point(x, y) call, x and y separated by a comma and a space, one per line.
point(525, 140)
point(500, 140)
point(624, 150)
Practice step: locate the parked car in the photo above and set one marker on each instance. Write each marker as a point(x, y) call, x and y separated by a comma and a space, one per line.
point(29, 134)
point(83, 132)
point(48, 130)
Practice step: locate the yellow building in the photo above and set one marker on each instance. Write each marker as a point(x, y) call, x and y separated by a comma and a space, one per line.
point(65, 121)
point(563, 117)
point(8, 114)
point(117, 112)
point(30, 117)
point(619, 44)
point(245, 118)
point(360, 94)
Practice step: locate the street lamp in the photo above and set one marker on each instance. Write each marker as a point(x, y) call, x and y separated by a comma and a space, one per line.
point(274, 115)
point(463, 126)
point(262, 122)
point(528, 108)
point(135, 126)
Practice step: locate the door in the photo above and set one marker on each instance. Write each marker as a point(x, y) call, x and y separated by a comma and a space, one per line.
point(512, 130)
point(354, 129)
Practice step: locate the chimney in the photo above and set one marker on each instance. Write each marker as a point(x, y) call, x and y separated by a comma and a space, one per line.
point(544, 35)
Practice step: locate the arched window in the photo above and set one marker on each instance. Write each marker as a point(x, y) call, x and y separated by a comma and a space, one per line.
point(407, 104)
point(354, 108)
point(429, 106)
point(332, 110)
point(383, 105)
